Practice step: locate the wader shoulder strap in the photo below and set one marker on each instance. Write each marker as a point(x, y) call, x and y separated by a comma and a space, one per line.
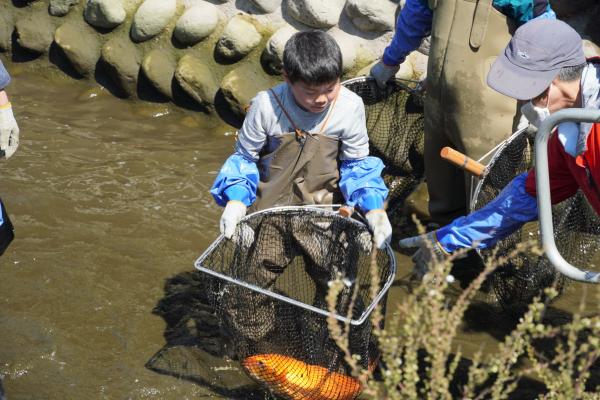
point(298, 131)
point(480, 22)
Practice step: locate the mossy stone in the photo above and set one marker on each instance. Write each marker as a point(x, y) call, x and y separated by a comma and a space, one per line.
point(243, 83)
point(80, 45)
point(159, 67)
point(123, 61)
point(35, 31)
point(196, 79)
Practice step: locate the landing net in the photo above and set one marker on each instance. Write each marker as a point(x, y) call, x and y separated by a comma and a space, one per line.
point(273, 277)
point(396, 126)
point(576, 230)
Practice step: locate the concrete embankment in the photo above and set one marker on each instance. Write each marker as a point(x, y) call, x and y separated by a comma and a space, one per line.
point(209, 55)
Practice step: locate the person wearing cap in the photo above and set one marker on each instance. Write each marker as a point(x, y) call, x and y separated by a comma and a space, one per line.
point(460, 110)
point(544, 65)
point(9, 141)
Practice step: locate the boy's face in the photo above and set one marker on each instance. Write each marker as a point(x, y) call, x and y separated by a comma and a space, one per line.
point(314, 98)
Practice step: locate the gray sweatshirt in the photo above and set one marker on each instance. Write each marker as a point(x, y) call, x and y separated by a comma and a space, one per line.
point(265, 118)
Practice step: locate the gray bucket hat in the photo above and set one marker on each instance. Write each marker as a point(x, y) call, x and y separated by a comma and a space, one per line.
point(533, 58)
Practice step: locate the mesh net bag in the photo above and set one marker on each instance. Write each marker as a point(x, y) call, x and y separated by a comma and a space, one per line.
point(270, 298)
point(396, 126)
point(576, 230)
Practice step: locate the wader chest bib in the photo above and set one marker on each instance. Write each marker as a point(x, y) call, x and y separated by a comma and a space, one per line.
point(298, 168)
point(461, 111)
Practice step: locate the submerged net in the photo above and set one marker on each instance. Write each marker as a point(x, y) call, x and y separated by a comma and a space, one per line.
point(396, 126)
point(576, 231)
point(270, 298)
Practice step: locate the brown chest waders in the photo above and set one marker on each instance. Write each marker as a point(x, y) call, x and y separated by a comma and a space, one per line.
point(301, 169)
point(461, 111)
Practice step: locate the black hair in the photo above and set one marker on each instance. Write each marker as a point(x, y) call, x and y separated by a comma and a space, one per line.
point(312, 57)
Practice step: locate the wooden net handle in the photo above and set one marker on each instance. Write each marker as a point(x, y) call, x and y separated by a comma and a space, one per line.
point(346, 211)
point(462, 161)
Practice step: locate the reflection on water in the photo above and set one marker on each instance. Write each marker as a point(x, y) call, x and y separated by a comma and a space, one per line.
point(110, 203)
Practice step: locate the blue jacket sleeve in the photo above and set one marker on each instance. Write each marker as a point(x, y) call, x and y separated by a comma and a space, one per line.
point(361, 183)
point(4, 77)
point(413, 25)
point(237, 180)
point(499, 218)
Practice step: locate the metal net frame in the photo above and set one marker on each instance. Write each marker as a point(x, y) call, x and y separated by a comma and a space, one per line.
point(576, 230)
point(270, 291)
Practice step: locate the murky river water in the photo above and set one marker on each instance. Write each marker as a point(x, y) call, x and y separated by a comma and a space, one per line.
point(109, 199)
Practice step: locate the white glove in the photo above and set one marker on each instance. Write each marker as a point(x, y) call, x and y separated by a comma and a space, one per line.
point(383, 73)
point(233, 213)
point(9, 132)
point(424, 255)
point(380, 226)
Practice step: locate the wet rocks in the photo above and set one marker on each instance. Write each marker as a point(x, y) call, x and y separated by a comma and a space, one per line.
point(122, 61)
point(196, 23)
point(151, 18)
point(105, 14)
point(159, 67)
point(267, 6)
point(347, 48)
point(272, 57)
point(6, 29)
point(80, 45)
point(238, 39)
point(196, 79)
point(35, 31)
point(60, 8)
point(316, 13)
point(372, 15)
point(242, 84)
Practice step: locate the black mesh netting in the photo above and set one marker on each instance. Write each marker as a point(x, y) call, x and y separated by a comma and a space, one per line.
point(294, 253)
point(576, 231)
point(395, 123)
point(215, 327)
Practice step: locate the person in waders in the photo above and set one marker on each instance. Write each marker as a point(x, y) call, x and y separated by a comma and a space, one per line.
point(9, 141)
point(545, 67)
point(303, 142)
point(460, 110)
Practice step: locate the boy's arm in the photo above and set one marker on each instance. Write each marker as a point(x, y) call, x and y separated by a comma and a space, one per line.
point(239, 176)
point(360, 174)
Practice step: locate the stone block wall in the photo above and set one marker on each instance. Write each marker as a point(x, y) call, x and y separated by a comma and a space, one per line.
point(198, 53)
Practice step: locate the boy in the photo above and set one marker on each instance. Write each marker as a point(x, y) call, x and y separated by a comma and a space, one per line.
point(304, 142)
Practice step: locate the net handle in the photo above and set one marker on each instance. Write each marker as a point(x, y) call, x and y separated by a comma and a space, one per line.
point(463, 162)
point(543, 191)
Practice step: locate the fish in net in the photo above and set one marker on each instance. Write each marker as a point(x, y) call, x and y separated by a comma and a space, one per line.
point(270, 296)
point(396, 126)
point(576, 231)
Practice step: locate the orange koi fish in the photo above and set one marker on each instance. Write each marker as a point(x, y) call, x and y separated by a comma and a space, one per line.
point(296, 380)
